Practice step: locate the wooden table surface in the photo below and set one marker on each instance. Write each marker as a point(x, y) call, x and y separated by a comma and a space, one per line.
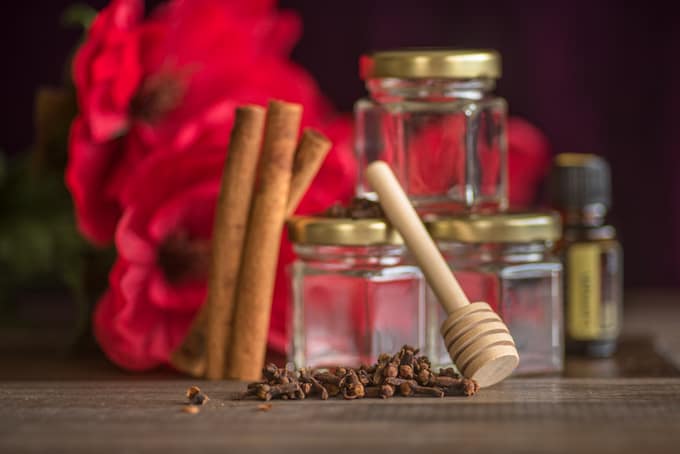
point(630, 403)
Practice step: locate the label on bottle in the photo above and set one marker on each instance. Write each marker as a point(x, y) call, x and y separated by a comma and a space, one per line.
point(584, 291)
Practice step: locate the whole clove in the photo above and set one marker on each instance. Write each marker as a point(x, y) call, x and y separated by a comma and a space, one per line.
point(333, 389)
point(405, 373)
point(267, 392)
point(195, 396)
point(192, 391)
point(363, 377)
point(372, 391)
point(407, 358)
point(378, 374)
point(444, 381)
point(199, 399)
point(465, 387)
point(328, 378)
point(424, 377)
point(306, 388)
point(255, 384)
point(271, 372)
point(384, 358)
point(392, 370)
point(449, 372)
point(397, 381)
point(311, 384)
point(406, 389)
point(386, 391)
point(351, 386)
point(431, 391)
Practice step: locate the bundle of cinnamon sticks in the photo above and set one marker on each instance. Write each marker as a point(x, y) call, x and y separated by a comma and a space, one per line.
point(265, 176)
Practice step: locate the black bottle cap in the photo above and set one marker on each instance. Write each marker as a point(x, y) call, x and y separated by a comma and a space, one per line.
point(578, 180)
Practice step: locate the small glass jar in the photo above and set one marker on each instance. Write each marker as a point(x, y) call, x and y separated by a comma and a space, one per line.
point(355, 295)
point(506, 260)
point(432, 115)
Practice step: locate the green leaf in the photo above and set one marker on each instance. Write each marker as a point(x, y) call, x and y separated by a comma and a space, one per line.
point(78, 15)
point(3, 168)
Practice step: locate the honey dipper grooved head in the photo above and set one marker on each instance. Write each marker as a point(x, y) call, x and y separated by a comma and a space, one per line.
point(480, 344)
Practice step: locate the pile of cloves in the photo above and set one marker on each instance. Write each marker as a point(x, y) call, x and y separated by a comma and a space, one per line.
point(359, 208)
point(405, 374)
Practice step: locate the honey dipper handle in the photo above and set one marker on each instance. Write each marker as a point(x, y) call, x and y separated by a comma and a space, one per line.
point(404, 218)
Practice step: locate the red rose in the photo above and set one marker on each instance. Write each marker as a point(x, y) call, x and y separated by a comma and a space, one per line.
point(528, 161)
point(158, 281)
point(186, 55)
point(107, 69)
point(199, 51)
point(172, 79)
point(95, 175)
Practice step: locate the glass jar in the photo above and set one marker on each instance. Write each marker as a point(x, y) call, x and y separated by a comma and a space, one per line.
point(355, 295)
point(506, 260)
point(432, 115)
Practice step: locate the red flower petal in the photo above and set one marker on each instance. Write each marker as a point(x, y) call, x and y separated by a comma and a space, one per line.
point(186, 298)
point(87, 171)
point(192, 211)
point(528, 161)
point(106, 69)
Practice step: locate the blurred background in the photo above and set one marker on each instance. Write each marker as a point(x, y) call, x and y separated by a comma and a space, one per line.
point(595, 77)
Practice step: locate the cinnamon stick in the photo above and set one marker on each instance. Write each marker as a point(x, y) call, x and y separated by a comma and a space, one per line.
point(189, 357)
point(204, 347)
point(231, 219)
point(258, 269)
point(309, 156)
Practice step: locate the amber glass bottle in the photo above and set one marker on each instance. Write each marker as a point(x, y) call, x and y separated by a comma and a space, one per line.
point(580, 186)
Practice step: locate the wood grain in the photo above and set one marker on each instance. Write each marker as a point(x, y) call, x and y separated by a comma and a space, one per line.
point(520, 415)
point(73, 403)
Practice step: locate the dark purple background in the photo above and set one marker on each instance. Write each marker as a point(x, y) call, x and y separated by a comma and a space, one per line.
point(603, 79)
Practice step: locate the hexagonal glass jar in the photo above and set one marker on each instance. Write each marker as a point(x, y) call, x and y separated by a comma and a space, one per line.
point(432, 115)
point(355, 293)
point(506, 260)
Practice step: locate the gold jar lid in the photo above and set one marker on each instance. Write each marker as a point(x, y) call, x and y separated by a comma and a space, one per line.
point(496, 228)
point(341, 231)
point(432, 63)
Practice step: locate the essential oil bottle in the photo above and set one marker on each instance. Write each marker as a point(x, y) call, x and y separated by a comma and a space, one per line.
point(580, 187)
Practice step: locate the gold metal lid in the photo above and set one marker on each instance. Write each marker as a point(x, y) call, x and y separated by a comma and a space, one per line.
point(496, 228)
point(574, 159)
point(342, 231)
point(432, 63)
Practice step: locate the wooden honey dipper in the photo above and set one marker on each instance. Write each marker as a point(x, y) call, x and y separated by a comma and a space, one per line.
point(475, 336)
